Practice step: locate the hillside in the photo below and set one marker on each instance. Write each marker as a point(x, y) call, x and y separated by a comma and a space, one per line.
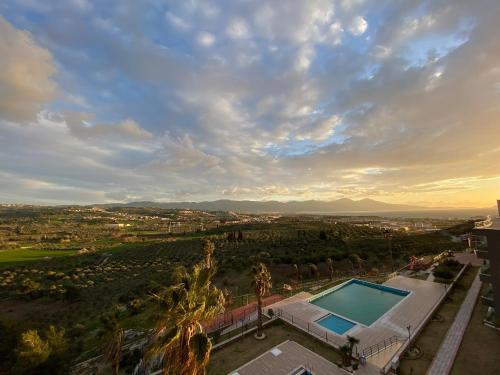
point(247, 206)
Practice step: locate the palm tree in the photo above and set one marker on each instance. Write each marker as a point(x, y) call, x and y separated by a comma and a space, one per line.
point(351, 341)
point(344, 351)
point(208, 251)
point(330, 268)
point(261, 283)
point(178, 337)
point(356, 260)
point(113, 340)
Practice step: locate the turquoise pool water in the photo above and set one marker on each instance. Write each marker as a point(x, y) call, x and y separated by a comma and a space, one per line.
point(336, 324)
point(360, 301)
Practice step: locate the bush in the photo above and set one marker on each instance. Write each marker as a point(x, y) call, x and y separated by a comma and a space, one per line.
point(135, 306)
point(444, 273)
point(36, 355)
point(30, 288)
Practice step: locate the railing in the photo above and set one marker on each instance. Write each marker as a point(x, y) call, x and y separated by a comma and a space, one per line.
point(483, 224)
point(382, 345)
point(312, 328)
point(238, 317)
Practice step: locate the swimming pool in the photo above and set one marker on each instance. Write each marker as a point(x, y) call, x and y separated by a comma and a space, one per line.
point(360, 301)
point(336, 324)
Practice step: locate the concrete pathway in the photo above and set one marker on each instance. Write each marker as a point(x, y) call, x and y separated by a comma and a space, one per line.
point(443, 361)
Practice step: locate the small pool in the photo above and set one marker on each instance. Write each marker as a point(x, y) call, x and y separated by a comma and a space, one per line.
point(360, 301)
point(336, 324)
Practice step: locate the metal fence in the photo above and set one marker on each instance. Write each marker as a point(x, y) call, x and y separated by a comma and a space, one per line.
point(311, 328)
point(382, 345)
point(238, 317)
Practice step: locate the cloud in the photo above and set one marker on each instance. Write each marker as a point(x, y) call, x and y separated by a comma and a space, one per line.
point(177, 22)
point(358, 26)
point(278, 90)
point(79, 125)
point(205, 39)
point(25, 74)
point(237, 29)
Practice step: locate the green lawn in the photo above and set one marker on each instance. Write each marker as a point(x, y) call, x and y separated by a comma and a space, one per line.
point(18, 257)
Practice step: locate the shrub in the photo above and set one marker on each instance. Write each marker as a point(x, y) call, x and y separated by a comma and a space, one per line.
point(30, 288)
point(444, 273)
point(135, 306)
point(32, 350)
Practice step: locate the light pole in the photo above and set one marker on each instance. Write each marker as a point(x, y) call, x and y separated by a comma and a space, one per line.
point(388, 237)
point(408, 327)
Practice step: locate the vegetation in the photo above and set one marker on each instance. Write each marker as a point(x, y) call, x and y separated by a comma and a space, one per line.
point(112, 335)
point(85, 265)
point(37, 355)
point(178, 337)
point(447, 270)
point(480, 343)
point(432, 335)
point(239, 352)
point(262, 284)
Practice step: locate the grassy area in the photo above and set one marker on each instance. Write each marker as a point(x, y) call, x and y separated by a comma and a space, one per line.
point(18, 257)
point(480, 349)
point(431, 337)
point(241, 351)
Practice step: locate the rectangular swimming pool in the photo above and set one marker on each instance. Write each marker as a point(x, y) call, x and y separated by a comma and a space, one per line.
point(336, 324)
point(360, 301)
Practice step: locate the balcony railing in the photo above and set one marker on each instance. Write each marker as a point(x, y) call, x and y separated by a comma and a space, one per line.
point(484, 223)
point(382, 345)
point(484, 274)
point(487, 297)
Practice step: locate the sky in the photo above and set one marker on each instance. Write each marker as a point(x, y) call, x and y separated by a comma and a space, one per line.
point(116, 101)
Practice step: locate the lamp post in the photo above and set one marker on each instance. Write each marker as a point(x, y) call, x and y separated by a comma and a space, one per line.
point(388, 237)
point(408, 327)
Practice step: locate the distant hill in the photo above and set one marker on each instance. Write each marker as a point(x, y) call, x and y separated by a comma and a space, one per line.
point(246, 206)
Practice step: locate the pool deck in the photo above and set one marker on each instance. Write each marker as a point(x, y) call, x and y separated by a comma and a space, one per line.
point(413, 310)
point(291, 357)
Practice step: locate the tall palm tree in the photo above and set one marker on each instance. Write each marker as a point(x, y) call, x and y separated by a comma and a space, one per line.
point(178, 336)
point(208, 252)
point(330, 268)
point(113, 340)
point(261, 284)
point(351, 341)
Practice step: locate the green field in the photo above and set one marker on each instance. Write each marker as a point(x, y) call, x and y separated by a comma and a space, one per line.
point(17, 257)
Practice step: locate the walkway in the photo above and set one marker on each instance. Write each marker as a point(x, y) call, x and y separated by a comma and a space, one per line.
point(443, 361)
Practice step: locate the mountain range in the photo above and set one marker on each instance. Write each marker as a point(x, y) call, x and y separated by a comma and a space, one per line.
point(248, 206)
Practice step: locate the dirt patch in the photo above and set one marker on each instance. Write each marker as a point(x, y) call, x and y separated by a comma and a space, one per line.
point(18, 310)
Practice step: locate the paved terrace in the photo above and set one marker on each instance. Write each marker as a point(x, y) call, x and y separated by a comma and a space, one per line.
point(443, 361)
point(289, 356)
point(412, 310)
